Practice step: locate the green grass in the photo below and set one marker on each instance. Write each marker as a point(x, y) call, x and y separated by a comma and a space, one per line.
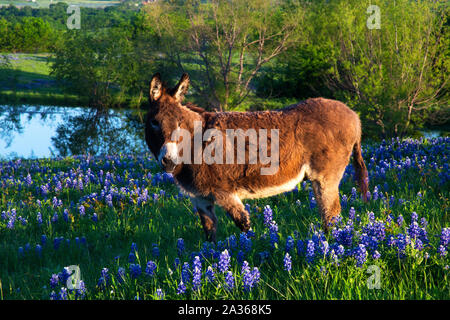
point(27, 80)
point(162, 222)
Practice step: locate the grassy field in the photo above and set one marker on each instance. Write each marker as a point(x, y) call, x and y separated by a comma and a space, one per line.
point(133, 236)
point(28, 80)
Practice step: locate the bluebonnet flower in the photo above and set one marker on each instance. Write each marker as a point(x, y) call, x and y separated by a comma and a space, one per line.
point(66, 215)
point(54, 296)
point(445, 237)
point(442, 251)
point(121, 274)
point(400, 220)
point(287, 262)
point(39, 218)
point(224, 262)
point(57, 242)
point(38, 249)
point(80, 292)
point(414, 216)
point(155, 250)
point(273, 233)
point(55, 217)
point(344, 201)
point(376, 255)
point(63, 294)
point(289, 244)
point(176, 262)
point(360, 255)
point(160, 294)
point(197, 263)
point(389, 219)
point(229, 280)
point(185, 274)
point(131, 257)
point(150, 268)
point(310, 251)
point(268, 215)
point(180, 246)
point(82, 210)
point(104, 279)
point(245, 242)
point(210, 275)
point(414, 229)
point(28, 180)
point(352, 213)
point(181, 289)
point(54, 280)
point(196, 278)
point(94, 217)
point(300, 247)
point(354, 194)
point(135, 270)
point(43, 239)
point(343, 235)
point(418, 244)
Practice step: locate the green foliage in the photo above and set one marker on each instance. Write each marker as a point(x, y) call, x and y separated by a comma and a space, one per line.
point(386, 74)
point(101, 67)
point(29, 35)
point(240, 55)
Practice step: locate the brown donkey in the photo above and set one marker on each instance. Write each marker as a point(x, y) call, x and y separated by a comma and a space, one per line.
point(313, 140)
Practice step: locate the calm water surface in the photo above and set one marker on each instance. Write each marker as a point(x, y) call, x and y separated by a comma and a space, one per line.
point(31, 131)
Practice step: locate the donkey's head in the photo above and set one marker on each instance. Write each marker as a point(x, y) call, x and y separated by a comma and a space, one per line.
point(166, 115)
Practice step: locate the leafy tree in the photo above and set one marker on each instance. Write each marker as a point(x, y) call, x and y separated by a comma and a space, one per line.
point(224, 44)
point(386, 74)
point(101, 67)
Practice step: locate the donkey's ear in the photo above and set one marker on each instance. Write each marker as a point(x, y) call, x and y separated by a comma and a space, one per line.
point(181, 88)
point(155, 90)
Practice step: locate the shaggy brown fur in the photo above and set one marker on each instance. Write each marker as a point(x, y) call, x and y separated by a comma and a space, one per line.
point(316, 140)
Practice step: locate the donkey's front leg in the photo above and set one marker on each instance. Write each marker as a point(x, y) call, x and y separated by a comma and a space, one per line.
point(235, 209)
point(205, 209)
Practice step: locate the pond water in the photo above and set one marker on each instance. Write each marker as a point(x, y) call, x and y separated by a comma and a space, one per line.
point(43, 131)
point(46, 131)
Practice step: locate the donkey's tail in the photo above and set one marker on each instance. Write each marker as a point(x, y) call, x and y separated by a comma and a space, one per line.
point(361, 175)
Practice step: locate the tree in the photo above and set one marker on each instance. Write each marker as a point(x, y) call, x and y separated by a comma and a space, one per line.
point(98, 66)
point(223, 44)
point(386, 74)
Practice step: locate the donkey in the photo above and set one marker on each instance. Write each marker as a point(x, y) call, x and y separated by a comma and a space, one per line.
point(316, 140)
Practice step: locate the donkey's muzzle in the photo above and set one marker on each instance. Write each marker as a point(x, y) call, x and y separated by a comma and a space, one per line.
point(168, 164)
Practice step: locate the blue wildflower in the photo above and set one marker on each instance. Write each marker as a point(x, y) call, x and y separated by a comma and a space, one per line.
point(135, 270)
point(180, 246)
point(287, 262)
point(210, 275)
point(150, 268)
point(224, 261)
point(181, 288)
point(229, 280)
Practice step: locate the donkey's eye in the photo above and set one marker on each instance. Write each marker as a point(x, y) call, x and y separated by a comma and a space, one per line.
point(155, 124)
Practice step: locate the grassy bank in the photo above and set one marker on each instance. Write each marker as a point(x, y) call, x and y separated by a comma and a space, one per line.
point(27, 80)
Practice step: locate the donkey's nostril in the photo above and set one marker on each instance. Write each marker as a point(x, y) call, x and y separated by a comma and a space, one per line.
point(164, 161)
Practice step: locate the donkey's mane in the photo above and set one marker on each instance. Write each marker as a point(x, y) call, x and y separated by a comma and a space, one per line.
point(195, 108)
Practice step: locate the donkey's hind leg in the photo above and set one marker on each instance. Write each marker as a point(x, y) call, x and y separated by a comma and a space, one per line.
point(327, 197)
point(205, 209)
point(235, 209)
